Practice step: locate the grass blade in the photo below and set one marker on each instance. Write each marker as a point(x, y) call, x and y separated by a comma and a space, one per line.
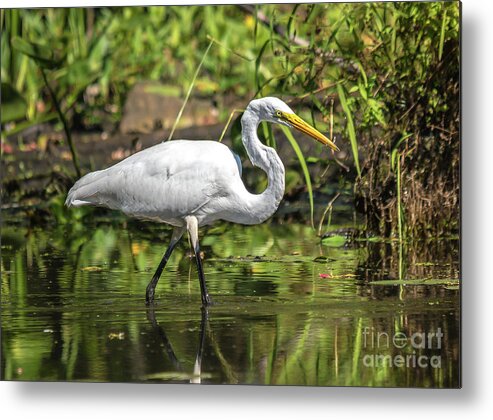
point(233, 112)
point(304, 167)
point(258, 61)
point(178, 117)
point(400, 212)
point(350, 127)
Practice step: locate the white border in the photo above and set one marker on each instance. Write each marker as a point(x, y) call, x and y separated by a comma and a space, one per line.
point(127, 401)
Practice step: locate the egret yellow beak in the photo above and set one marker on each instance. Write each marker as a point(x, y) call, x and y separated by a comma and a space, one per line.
point(306, 128)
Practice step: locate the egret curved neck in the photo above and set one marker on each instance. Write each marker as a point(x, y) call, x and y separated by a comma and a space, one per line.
point(262, 206)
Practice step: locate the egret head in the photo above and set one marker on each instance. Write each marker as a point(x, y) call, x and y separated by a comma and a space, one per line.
point(276, 111)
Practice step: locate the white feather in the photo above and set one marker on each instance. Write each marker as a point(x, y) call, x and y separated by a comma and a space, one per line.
point(179, 178)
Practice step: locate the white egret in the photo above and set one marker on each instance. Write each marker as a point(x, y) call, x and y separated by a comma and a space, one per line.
point(189, 184)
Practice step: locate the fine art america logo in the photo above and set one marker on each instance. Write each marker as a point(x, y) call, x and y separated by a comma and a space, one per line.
point(410, 351)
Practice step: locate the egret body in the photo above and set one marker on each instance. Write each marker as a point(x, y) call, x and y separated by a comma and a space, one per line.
point(189, 183)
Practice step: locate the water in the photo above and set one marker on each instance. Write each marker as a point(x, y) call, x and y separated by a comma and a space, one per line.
point(288, 309)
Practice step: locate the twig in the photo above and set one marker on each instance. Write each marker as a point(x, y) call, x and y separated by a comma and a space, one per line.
point(329, 206)
point(64, 123)
point(434, 127)
point(313, 92)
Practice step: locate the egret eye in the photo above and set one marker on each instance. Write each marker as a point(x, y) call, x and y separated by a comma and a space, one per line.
point(279, 114)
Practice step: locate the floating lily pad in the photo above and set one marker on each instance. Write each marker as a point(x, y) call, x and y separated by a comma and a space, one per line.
point(92, 268)
point(334, 241)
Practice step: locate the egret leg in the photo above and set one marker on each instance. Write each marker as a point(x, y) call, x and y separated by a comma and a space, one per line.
point(193, 231)
point(175, 238)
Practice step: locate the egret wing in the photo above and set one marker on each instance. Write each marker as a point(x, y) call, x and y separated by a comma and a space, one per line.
point(166, 182)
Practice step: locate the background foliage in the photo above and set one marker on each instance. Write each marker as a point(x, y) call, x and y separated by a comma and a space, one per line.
point(386, 73)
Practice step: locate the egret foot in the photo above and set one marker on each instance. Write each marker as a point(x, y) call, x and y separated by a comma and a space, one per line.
point(206, 302)
point(150, 292)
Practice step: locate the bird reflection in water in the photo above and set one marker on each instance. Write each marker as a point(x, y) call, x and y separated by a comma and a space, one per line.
point(197, 369)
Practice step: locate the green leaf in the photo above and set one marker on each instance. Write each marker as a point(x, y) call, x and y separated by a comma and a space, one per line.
point(442, 35)
point(363, 73)
point(377, 112)
point(13, 105)
point(334, 241)
point(362, 89)
point(268, 135)
point(304, 167)
point(43, 55)
point(350, 127)
point(258, 61)
point(395, 149)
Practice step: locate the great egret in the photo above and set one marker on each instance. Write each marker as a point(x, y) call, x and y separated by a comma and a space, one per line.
point(189, 184)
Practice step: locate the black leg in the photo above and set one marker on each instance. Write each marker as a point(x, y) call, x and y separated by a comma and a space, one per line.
point(177, 234)
point(193, 231)
point(206, 300)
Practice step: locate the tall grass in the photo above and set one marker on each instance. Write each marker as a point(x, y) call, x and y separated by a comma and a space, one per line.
point(306, 173)
point(350, 127)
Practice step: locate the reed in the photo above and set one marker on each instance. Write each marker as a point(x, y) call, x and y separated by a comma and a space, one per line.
point(306, 173)
point(189, 91)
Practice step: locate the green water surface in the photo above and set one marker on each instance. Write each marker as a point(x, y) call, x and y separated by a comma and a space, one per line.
point(288, 309)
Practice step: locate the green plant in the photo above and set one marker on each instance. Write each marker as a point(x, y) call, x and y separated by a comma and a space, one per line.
point(389, 71)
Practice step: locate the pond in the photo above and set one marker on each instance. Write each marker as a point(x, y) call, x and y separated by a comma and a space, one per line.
point(288, 308)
